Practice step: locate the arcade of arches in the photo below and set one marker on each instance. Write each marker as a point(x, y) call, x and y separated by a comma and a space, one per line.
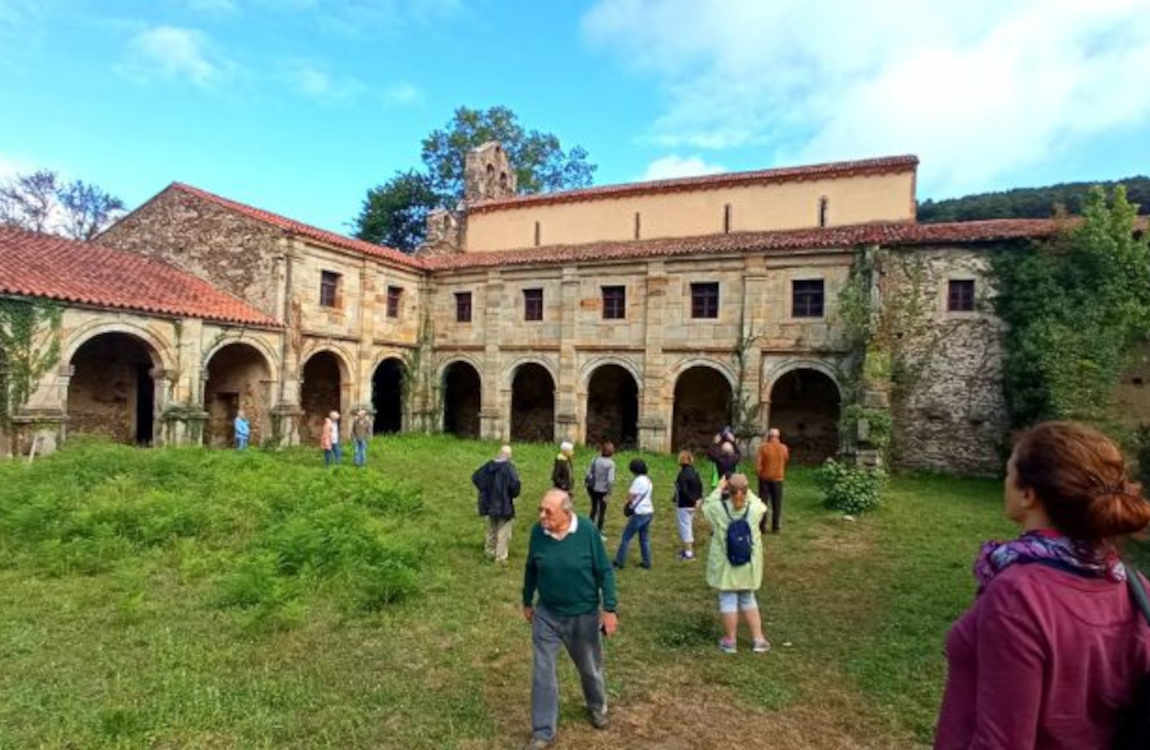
point(532, 404)
point(238, 377)
point(612, 407)
point(387, 395)
point(805, 408)
point(702, 408)
point(461, 400)
point(320, 394)
point(111, 392)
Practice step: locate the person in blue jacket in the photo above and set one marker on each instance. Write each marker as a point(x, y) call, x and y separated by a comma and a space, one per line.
point(243, 430)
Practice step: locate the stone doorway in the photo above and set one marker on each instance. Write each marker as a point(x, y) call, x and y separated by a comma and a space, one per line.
point(320, 394)
point(805, 409)
point(238, 378)
point(702, 408)
point(111, 392)
point(461, 400)
point(612, 407)
point(387, 395)
point(532, 404)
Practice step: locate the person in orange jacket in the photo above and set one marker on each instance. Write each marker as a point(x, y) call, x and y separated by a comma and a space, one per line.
point(771, 466)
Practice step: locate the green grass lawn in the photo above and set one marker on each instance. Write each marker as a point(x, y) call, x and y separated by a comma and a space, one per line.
point(185, 598)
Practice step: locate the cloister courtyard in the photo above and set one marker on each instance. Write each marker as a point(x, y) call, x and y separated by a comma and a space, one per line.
point(198, 598)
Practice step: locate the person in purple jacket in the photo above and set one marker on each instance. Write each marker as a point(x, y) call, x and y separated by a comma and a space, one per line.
point(1053, 648)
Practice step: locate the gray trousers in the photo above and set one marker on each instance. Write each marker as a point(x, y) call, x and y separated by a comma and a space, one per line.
point(498, 537)
point(580, 634)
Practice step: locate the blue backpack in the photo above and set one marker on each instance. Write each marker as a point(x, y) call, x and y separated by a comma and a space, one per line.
point(740, 540)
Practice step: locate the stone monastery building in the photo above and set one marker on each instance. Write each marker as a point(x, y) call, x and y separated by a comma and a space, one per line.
point(642, 313)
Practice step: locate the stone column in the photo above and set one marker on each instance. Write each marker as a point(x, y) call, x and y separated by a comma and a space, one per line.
point(42, 421)
point(180, 393)
point(566, 408)
point(754, 317)
point(491, 423)
point(365, 312)
point(286, 414)
point(656, 407)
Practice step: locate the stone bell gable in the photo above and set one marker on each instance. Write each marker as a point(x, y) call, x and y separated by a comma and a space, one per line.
point(488, 174)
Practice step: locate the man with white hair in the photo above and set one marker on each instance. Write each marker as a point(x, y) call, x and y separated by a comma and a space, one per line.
point(567, 567)
point(498, 486)
point(771, 466)
point(561, 472)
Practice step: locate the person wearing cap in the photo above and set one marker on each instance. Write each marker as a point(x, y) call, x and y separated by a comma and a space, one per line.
point(360, 435)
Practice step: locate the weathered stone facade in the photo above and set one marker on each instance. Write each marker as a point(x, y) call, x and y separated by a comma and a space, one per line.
point(641, 345)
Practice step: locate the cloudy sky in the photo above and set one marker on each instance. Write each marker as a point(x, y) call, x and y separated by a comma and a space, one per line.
point(299, 105)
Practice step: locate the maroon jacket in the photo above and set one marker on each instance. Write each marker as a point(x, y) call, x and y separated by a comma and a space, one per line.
point(1043, 659)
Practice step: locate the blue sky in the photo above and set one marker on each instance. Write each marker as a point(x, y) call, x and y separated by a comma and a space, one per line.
point(298, 106)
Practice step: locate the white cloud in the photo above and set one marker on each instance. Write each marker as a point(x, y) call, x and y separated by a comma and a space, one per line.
point(976, 89)
point(172, 52)
point(311, 80)
point(403, 93)
point(215, 7)
point(672, 165)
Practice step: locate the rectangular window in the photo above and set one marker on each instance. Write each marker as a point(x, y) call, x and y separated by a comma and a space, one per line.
point(705, 300)
point(807, 299)
point(538, 234)
point(533, 304)
point(614, 302)
point(823, 204)
point(726, 218)
point(328, 288)
point(637, 225)
point(960, 295)
point(463, 307)
point(393, 295)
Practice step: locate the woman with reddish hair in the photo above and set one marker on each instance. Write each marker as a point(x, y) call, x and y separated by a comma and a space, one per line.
point(1052, 650)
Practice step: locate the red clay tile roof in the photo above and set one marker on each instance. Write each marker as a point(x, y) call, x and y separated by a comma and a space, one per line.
point(883, 165)
point(43, 265)
point(305, 230)
point(887, 234)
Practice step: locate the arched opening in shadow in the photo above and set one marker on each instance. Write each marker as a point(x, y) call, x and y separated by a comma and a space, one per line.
point(320, 394)
point(613, 407)
point(805, 410)
point(532, 404)
point(462, 396)
point(238, 378)
point(702, 408)
point(111, 392)
point(387, 395)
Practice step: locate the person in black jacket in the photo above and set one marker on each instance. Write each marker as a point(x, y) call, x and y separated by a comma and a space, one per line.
point(561, 472)
point(724, 452)
point(688, 495)
point(498, 485)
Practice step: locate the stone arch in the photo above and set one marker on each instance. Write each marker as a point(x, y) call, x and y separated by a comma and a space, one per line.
point(270, 354)
point(532, 402)
point(325, 385)
point(387, 388)
point(805, 399)
point(113, 390)
point(237, 375)
point(703, 392)
point(462, 397)
point(158, 349)
point(612, 403)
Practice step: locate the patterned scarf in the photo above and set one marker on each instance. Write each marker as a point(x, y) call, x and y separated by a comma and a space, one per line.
point(1047, 547)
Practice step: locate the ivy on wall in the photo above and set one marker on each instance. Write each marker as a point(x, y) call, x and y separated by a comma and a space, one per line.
point(29, 348)
point(1075, 306)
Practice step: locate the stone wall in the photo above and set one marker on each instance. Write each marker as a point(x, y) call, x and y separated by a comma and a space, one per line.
point(954, 419)
point(238, 378)
point(107, 374)
point(235, 253)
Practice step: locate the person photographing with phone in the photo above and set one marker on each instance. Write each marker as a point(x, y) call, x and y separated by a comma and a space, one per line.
point(567, 567)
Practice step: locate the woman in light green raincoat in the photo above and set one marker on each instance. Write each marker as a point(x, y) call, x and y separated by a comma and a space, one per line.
point(736, 584)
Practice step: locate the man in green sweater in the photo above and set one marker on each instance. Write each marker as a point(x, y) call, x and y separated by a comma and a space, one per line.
point(568, 566)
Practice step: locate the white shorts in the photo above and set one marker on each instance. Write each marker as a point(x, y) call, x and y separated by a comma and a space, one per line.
point(686, 518)
point(741, 601)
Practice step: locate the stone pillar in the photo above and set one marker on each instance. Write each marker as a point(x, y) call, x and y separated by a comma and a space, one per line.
point(754, 317)
point(656, 407)
point(180, 392)
point(566, 408)
point(365, 354)
point(286, 414)
point(491, 423)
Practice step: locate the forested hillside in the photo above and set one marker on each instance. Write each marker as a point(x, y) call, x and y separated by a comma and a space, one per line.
point(1029, 203)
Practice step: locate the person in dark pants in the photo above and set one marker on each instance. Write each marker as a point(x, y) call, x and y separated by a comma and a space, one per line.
point(567, 566)
point(599, 480)
point(771, 467)
point(561, 470)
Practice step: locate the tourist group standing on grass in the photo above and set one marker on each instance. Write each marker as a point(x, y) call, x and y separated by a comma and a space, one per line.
point(1053, 653)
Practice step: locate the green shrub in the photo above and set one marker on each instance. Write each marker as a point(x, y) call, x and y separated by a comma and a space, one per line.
point(850, 489)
